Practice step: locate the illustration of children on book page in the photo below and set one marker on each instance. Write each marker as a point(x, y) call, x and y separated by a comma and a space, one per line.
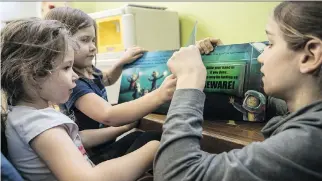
point(253, 107)
point(132, 80)
point(140, 81)
point(137, 91)
point(154, 77)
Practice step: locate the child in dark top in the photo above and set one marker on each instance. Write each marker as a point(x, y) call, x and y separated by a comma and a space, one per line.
point(88, 103)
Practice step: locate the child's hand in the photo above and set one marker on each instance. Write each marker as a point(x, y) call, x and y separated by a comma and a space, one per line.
point(207, 45)
point(187, 66)
point(131, 125)
point(132, 54)
point(167, 88)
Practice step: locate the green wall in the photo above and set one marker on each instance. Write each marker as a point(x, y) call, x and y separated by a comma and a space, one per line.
point(232, 22)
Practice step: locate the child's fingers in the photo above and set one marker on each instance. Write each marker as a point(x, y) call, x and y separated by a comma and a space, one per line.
point(209, 46)
point(203, 46)
point(172, 83)
point(171, 76)
point(137, 56)
point(172, 90)
point(135, 49)
point(215, 41)
point(199, 47)
point(139, 50)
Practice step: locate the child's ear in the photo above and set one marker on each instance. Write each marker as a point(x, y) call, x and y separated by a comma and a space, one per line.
point(36, 81)
point(33, 80)
point(312, 59)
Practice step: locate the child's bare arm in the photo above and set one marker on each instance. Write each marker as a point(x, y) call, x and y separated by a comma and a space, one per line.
point(94, 137)
point(127, 112)
point(67, 163)
point(112, 75)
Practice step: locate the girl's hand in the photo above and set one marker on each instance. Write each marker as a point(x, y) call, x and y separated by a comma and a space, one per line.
point(207, 45)
point(167, 88)
point(132, 54)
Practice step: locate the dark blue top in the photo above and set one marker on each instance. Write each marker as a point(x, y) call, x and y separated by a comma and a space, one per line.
point(85, 86)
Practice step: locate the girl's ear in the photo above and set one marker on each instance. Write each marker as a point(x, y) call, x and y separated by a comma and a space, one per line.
point(37, 80)
point(32, 80)
point(311, 62)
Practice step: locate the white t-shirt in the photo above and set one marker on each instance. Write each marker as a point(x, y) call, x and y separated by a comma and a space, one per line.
point(24, 124)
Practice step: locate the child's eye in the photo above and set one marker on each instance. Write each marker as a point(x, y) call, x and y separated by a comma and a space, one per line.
point(85, 40)
point(67, 68)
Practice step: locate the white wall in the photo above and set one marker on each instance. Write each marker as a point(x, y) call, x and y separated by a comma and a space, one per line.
point(2, 25)
point(17, 10)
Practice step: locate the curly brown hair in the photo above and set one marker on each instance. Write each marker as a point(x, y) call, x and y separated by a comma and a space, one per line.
point(29, 51)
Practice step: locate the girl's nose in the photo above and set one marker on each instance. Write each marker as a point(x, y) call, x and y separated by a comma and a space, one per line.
point(92, 47)
point(75, 76)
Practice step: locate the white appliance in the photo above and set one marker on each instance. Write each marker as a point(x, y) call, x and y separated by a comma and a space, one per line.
point(153, 28)
point(16, 10)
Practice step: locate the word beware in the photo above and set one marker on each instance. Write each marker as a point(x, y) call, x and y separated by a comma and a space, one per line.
point(220, 84)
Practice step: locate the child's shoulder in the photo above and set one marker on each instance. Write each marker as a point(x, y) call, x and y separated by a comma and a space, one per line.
point(20, 115)
point(29, 122)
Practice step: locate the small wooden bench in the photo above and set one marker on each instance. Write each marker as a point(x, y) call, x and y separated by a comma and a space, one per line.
point(218, 136)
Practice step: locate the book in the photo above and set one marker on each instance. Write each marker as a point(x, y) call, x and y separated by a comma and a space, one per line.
point(233, 87)
point(193, 35)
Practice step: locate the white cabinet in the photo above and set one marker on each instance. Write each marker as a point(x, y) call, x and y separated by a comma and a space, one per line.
point(17, 10)
point(153, 28)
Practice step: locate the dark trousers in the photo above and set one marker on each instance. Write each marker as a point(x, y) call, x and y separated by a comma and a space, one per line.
point(123, 146)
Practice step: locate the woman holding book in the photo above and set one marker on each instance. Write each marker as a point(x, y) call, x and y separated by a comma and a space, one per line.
point(292, 147)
